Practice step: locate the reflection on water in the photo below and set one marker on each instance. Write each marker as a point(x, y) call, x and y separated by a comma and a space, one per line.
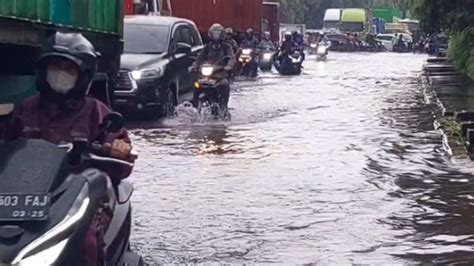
point(339, 165)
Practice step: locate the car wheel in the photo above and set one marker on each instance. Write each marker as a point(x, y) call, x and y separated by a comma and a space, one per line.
point(169, 103)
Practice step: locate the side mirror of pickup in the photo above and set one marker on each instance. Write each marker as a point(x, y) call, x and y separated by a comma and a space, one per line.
point(183, 48)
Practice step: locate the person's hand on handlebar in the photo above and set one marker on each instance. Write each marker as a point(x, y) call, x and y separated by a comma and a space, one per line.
point(120, 149)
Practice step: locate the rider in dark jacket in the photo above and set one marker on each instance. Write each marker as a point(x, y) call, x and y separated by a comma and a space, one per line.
point(62, 112)
point(250, 42)
point(229, 39)
point(217, 53)
point(287, 46)
point(298, 41)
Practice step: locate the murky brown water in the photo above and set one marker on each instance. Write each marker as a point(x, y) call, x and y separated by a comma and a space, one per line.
point(339, 165)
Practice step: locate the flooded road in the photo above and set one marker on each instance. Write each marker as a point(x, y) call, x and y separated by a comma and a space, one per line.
point(339, 165)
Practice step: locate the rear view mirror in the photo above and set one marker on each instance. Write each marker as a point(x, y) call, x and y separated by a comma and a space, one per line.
point(183, 48)
point(113, 122)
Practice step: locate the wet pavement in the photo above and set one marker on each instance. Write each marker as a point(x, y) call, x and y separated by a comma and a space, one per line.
point(339, 165)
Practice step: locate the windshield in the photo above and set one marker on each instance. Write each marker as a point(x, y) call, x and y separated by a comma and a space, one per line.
point(331, 24)
point(385, 37)
point(353, 26)
point(145, 39)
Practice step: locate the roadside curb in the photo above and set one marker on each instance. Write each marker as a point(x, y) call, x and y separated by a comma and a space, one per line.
point(453, 92)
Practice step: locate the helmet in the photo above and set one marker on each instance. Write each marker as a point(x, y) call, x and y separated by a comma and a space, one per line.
point(77, 51)
point(216, 32)
point(249, 31)
point(229, 31)
point(267, 35)
point(288, 36)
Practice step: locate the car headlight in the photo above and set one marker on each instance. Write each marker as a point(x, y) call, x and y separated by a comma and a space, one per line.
point(267, 56)
point(30, 255)
point(207, 71)
point(146, 73)
point(246, 51)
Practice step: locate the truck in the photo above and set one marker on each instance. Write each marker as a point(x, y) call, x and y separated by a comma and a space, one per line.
point(332, 19)
point(25, 27)
point(271, 20)
point(354, 20)
point(389, 14)
point(237, 14)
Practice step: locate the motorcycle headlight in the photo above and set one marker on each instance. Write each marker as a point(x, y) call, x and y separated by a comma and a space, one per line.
point(246, 51)
point(46, 249)
point(146, 73)
point(313, 45)
point(267, 56)
point(207, 71)
point(322, 50)
point(45, 257)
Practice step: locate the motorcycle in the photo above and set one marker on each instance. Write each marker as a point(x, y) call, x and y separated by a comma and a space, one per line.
point(47, 207)
point(322, 52)
point(266, 60)
point(313, 49)
point(291, 64)
point(208, 91)
point(245, 65)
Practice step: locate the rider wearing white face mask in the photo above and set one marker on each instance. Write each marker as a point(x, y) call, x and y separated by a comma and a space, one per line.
point(62, 113)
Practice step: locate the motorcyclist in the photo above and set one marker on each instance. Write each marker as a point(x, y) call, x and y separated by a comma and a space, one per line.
point(370, 39)
point(229, 39)
point(215, 53)
point(249, 41)
point(62, 112)
point(287, 47)
point(323, 39)
point(266, 43)
point(299, 43)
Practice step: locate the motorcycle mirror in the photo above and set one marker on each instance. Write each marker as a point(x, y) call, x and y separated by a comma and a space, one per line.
point(113, 122)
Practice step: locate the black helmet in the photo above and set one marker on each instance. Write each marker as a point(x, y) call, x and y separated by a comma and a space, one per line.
point(75, 48)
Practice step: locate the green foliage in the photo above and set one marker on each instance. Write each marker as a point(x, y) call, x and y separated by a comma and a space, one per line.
point(455, 17)
point(461, 50)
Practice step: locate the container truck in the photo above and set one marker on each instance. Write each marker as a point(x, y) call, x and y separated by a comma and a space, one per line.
point(354, 20)
point(237, 14)
point(270, 19)
point(25, 26)
point(332, 19)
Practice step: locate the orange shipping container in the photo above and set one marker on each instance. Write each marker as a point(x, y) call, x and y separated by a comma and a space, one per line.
point(238, 14)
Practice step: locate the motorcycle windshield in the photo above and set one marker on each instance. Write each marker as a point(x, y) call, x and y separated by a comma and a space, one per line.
point(30, 166)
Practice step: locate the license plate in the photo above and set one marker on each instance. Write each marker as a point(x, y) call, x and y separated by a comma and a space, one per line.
point(24, 207)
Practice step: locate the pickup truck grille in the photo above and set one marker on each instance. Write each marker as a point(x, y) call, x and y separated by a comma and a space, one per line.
point(122, 81)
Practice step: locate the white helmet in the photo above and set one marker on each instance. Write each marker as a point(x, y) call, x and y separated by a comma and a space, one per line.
point(216, 32)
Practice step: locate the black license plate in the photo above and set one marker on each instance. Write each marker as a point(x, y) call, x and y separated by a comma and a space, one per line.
point(24, 207)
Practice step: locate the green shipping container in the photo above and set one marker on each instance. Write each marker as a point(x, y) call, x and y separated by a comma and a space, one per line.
point(94, 15)
point(387, 13)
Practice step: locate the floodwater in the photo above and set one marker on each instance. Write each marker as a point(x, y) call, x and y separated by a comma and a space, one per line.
point(339, 165)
